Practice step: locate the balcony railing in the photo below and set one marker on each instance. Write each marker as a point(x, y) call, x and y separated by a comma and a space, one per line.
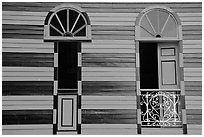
point(160, 107)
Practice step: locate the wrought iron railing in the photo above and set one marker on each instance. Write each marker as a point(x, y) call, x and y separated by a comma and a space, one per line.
point(160, 108)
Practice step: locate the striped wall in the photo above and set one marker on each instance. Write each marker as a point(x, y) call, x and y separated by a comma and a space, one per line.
point(108, 68)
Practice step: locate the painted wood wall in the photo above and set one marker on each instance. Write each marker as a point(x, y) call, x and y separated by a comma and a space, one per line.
point(108, 68)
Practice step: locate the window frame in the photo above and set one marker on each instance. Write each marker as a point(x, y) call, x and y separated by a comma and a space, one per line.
point(53, 11)
point(179, 40)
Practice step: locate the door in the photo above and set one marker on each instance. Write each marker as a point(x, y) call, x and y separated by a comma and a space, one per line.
point(168, 66)
point(159, 84)
point(67, 88)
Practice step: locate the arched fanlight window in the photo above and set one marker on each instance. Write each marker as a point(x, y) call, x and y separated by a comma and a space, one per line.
point(67, 22)
point(157, 23)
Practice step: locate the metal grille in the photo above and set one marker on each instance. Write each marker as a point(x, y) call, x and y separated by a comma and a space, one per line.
point(160, 108)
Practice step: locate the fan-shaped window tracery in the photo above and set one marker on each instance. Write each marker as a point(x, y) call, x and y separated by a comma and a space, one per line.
point(158, 23)
point(67, 23)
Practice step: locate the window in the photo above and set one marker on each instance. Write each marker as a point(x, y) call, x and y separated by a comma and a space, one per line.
point(67, 65)
point(67, 23)
point(67, 26)
point(158, 37)
point(160, 93)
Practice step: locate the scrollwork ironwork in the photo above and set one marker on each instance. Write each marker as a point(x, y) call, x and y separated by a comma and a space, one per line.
point(160, 108)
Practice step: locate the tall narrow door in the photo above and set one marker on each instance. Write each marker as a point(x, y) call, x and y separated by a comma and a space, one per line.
point(168, 66)
point(159, 84)
point(67, 92)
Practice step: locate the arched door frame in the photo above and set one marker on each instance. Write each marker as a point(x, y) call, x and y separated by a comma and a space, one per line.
point(58, 8)
point(73, 98)
point(179, 40)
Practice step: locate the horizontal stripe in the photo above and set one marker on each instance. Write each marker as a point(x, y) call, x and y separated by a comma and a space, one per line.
point(109, 116)
point(107, 69)
point(162, 131)
point(24, 13)
point(27, 88)
point(27, 41)
point(193, 88)
point(34, 127)
point(28, 50)
point(39, 29)
point(109, 129)
point(22, 17)
point(43, 14)
point(114, 102)
point(108, 51)
point(26, 105)
point(109, 57)
point(67, 133)
point(192, 50)
point(27, 98)
point(192, 78)
point(108, 60)
point(108, 102)
point(27, 129)
point(27, 74)
point(93, 88)
point(192, 65)
point(194, 129)
point(108, 64)
point(108, 74)
point(194, 111)
point(28, 78)
point(107, 46)
point(193, 98)
point(108, 126)
point(94, 22)
point(113, 42)
point(103, 98)
point(27, 59)
point(26, 117)
point(28, 132)
point(26, 20)
point(113, 18)
point(112, 79)
point(28, 69)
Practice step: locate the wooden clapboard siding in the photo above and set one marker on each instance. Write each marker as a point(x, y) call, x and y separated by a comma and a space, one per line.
point(17, 117)
point(193, 88)
point(28, 59)
point(193, 102)
point(27, 73)
point(162, 131)
point(194, 129)
point(109, 102)
point(194, 116)
point(192, 74)
point(39, 129)
point(10, 88)
point(27, 102)
point(108, 116)
point(109, 129)
point(192, 60)
point(103, 54)
point(108, 64)
point(27, 46)
point(108, 74)
point(108, 88)
point(108, 60)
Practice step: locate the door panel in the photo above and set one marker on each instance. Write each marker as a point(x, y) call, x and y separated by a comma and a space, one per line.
point(168, 66)
point(168, 73)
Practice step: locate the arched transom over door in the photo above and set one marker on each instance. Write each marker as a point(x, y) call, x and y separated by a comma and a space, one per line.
point(157, 23)
point(159, 62)
point(67, 23)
